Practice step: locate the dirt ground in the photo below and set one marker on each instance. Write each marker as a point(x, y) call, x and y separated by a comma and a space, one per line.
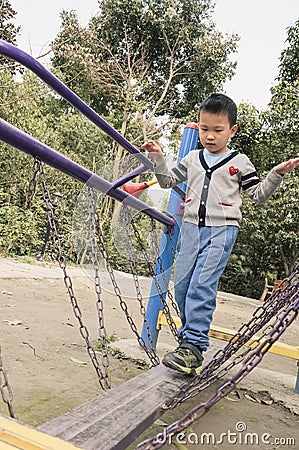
point(50, 372)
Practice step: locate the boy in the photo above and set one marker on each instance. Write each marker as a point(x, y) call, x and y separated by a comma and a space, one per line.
point(214, 177)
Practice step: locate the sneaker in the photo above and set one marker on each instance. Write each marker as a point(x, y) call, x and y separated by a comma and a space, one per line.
point(186, 358)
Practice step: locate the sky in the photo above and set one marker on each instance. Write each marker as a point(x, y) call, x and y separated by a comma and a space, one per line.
point(261, 25)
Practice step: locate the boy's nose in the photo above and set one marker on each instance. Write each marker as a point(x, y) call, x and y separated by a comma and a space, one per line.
point(210, 136)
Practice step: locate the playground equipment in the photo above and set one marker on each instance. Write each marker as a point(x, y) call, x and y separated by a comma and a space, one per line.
point(136, 189)
point(128, 410)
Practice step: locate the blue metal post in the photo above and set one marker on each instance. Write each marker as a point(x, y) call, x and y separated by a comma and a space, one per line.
point(175, 210)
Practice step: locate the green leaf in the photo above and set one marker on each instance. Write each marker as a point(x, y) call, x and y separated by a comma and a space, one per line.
point(160, 423)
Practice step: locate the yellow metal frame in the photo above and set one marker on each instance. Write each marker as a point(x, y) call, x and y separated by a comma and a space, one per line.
point(225, 334)
point(14, 435)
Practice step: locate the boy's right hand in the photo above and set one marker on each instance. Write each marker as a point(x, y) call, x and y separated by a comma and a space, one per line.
point(154, 149)
point(151, 147)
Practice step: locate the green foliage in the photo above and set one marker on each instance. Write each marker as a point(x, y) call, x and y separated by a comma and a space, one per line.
point(119, 354)
point(8, 29)
point(8, 33)
point(20, 230)
point(109, 338)
point(289, 59)
point(282, 119)
point(249, 134)
point(268, 242)
point(159, 58)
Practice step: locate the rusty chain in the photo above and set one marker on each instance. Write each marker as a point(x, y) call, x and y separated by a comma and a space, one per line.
point(98, 289)
point(155, 276)
point(102, 247)
point(32, 183)
point(103, 381)
point(151, 351)
point(247, 331)
point(286, 313)
point(5, 388)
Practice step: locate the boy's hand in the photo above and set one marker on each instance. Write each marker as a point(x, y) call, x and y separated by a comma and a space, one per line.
point(151, 147)
point(287, 166)
point(154, 149)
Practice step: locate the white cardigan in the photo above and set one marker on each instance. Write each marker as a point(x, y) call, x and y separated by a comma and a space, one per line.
point(213, 194)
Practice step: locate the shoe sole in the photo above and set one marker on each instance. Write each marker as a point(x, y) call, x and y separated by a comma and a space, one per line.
point(186, 370)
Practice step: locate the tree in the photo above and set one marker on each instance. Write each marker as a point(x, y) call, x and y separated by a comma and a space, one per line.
point(159, 59)
point(281, 118)
point(9, 31)
point(268, 241)
point(289, 59)
point(249, 137)
point(30, 106)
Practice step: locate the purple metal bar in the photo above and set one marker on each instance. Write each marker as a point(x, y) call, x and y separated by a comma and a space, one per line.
point(22, 141)
point(28, 61)
point(129, 176)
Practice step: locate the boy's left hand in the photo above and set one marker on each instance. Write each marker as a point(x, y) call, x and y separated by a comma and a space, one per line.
point(287, 166)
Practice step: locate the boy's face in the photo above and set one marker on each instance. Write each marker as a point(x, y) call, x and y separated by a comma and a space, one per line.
point(215, 131)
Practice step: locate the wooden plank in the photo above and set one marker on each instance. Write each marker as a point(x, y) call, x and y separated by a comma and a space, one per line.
point(116, 418)
point(14, 435)
point(113, 420)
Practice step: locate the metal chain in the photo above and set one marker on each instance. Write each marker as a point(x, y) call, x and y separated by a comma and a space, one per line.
point(128, 220)
point(6, 391)
point(98, 289)
point(68, 282)
point(171, 298)
point(166, 309)
point(5, 388)
point(155, 277)
point(160, 262)
point(250, 359)
point(116, 288)
point(260, 317)
point(32, 183)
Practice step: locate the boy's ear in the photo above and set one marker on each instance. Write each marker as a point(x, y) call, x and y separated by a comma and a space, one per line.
point(233, 130)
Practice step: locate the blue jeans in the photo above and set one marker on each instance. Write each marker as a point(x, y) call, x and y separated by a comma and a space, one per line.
point(203, 253)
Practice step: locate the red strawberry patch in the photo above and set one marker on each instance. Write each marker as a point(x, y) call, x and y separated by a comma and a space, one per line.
point(233, 170)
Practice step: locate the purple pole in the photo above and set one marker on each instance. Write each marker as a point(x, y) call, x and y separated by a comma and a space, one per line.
point(22, 141)
point(129, 176)
point(28, 61)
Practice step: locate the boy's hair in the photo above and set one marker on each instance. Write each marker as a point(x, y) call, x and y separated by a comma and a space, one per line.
point(220, 104)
